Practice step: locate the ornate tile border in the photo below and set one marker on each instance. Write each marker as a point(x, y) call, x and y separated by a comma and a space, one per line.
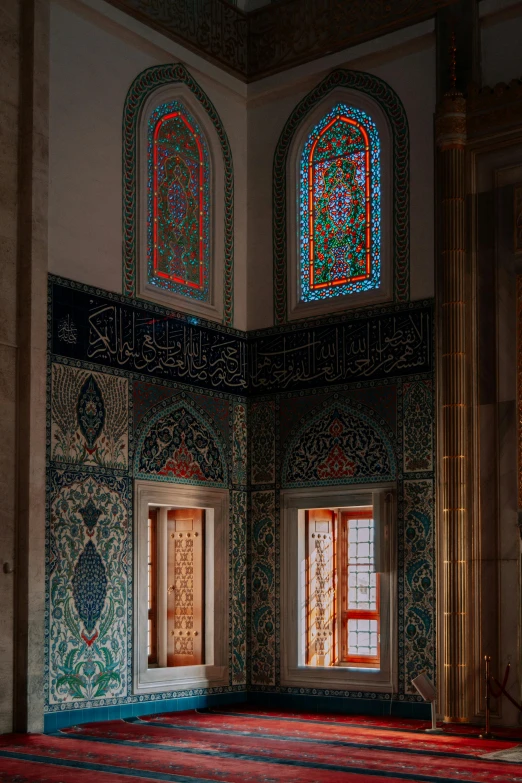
point(239, 444)
point(418, 584)
point(262, 451)
point(264, 602)
point(418, 426)
point(238, 588)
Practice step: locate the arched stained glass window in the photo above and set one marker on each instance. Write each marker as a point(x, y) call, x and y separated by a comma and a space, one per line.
point(340, 206)
point(178, 246)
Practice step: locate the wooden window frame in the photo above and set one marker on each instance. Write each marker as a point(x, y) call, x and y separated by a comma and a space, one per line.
point(295, 673)
point(341, 615)
point(215, 672)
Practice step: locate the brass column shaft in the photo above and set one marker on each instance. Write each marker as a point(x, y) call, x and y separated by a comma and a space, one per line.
point(453, 314)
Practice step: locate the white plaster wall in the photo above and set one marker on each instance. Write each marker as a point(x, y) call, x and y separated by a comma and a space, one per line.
point(265, 123)
point(407, 62)
point(501, 37)
point(413, 79)
point(96, 53)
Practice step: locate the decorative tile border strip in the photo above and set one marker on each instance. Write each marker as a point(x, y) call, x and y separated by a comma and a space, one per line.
point(263, 594)
point(133, 336)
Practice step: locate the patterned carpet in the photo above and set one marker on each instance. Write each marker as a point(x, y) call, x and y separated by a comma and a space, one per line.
point(243, 744)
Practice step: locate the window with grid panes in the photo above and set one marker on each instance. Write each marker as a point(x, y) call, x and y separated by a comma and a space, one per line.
point(359, 588)
point(342, 589)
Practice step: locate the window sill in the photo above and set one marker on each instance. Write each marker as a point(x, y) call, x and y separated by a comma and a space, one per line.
point(177, 302)
point(298, 310)
point(337, 678)
point(352, 667)
point(176, 678)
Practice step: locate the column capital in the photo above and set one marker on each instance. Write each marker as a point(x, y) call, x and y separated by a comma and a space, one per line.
point(450, 121)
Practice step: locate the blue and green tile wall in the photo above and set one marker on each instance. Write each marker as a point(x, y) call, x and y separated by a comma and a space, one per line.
point(135, 390)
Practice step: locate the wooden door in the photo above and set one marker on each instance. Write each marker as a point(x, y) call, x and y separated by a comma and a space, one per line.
point(185, 586)
point(320, 553)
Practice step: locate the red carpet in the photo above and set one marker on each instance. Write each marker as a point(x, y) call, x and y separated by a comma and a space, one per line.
point(231, 746)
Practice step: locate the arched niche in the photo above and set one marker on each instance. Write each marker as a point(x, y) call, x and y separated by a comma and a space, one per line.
point(341, 443)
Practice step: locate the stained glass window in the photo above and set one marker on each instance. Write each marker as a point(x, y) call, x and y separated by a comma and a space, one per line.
point(178, 258)
point(340, 206)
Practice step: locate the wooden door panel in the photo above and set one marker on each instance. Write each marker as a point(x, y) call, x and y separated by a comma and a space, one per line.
point(320, 552)
point(185, 586)
point(152, 578)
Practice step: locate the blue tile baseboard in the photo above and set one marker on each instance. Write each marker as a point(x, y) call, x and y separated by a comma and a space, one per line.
point(306, 703)
point(54, 721)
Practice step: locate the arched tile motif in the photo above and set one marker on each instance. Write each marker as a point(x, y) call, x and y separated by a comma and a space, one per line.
point(340, 444)
point(178, 443)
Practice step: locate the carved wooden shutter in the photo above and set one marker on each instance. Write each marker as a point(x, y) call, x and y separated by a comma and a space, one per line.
point(185, 587)
point(320, 539)
point(152, 579)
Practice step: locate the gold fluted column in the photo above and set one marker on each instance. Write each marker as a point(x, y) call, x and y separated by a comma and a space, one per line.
point(453, 313)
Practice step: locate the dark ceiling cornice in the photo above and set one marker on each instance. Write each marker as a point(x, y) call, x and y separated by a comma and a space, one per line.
point(277, 36)
point(215, 29)
point(293, 32)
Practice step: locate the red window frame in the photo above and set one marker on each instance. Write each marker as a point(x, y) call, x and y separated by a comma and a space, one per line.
point(155, 209)
point(311, 205)
point(346, 614)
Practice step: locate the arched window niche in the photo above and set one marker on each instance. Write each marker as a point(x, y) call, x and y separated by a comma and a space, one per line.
point(178, 197)
point(339, 221)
